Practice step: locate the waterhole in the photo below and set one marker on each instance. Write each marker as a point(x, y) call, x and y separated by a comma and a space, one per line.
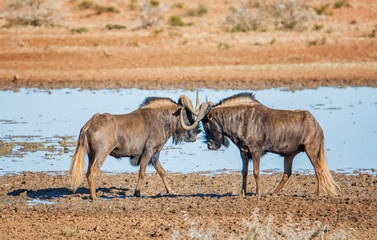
point(39, 128)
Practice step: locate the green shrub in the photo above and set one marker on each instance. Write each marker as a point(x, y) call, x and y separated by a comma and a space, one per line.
point(155, 3)
point(341, 3)
point(177, 21)
point(133, 4)
point(177, 5)
point(79, 30)
point(372, 34)
point(317, 42)
point(98, 8)
point(202, 10)
point(317, 27)
point(86, 5)
point(158, 31)
point(115, 26)
point(323, 10)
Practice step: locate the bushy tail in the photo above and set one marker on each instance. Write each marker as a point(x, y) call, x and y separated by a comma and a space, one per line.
point(78, 162)
point(324, 178)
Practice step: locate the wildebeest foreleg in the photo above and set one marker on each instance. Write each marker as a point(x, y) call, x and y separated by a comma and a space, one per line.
point(288, 160)
point(144, 160)
point(161, 171)
point(256, 162)
point(245, 170)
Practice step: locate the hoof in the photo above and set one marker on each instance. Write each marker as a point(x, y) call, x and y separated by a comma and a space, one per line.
point(137, 193)
point(93, 198)
point(170, 192)
point(242, 194)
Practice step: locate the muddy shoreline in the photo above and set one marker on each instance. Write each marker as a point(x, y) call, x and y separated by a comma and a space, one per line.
point(41, 205)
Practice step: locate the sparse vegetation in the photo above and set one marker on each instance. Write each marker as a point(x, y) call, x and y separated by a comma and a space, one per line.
point(155, 3)
point(372, 34)
point(342, 3)
point(79, 30)
point(200, 11)
point(177, 21)
point(133, 5)
point(158, 31)
point(32, 12)
point(317, 42)
point(151, 14)
point(98, 8)
point(223, 45)
point(70, 232)
point(177, 5)
point(256, 228)
point(241, 19)
point(287, 15)
point(133, 44)
point(115, 26)
point(323, 10)
point(317, 27)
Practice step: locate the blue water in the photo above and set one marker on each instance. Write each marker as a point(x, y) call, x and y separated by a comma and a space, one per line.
point(348, 117)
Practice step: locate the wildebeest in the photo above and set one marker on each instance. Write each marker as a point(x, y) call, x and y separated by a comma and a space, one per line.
point(139, 135)
point(257, 129)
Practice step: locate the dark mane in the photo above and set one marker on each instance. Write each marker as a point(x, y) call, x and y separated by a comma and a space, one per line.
point(158, 101)
point(239, 98)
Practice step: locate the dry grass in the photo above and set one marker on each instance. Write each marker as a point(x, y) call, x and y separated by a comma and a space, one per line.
point(258, 228)
point(287, 15)
point(152, 13)
point(32, 12)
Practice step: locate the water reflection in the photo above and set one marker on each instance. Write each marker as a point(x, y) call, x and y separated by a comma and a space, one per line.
point(39, 128)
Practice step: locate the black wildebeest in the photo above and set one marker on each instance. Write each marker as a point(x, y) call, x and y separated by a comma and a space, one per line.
point(139, 135)
point(257, 129)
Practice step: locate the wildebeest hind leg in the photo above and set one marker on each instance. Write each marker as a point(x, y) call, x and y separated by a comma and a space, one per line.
point(288, 160)
point(95, 163)
point(314, 158)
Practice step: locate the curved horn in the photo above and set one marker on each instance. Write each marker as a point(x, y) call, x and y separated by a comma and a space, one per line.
point(210, 102)
point(201, 114)
point(186, 102)
point(197, 101)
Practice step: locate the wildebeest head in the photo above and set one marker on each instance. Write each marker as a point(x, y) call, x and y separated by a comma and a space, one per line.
point(187, 115)
point(213, 132)
point(214, 135)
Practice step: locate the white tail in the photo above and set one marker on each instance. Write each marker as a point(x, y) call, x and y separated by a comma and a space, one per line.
point(324, 178)
point(78, 164)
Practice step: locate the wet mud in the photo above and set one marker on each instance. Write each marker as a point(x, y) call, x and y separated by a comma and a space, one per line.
point(40, 205)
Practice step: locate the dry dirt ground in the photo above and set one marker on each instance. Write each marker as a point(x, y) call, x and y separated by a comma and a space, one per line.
point(342, 52)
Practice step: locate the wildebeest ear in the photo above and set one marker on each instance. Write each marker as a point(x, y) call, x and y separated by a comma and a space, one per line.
point(209, 116)
point(177, 113)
